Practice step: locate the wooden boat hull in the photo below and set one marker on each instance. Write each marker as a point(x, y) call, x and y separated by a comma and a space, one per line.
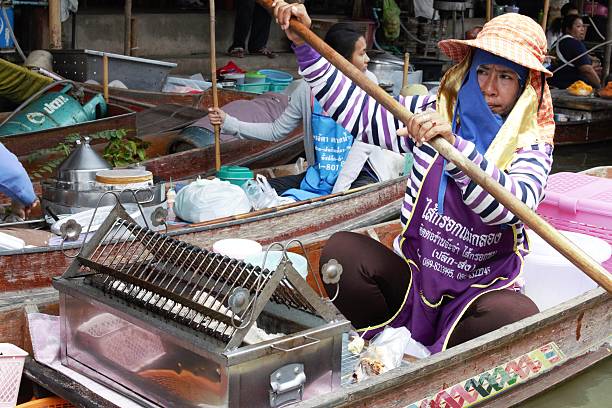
point(137, 100)
point(569, 133)
point(498, 366)
point(34, 267)
point(590, 118)
point(505, 367)
point(25, 143)
point(191, 163)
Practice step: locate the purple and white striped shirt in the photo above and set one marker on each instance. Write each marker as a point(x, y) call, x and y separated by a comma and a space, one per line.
point(370, 122)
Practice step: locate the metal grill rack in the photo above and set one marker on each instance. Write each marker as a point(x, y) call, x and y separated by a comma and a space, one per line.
point(194, 300)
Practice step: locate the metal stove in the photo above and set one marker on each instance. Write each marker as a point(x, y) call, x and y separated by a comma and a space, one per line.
point(164, 323)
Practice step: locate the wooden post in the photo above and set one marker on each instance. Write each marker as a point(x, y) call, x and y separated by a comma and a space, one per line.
point(406, 67)
point(213, 76)
point(55, 25)
point(548, 233)
point(489, 10)
point(606, 70)
point(127, 30)
point(105, 76)
point(545, 14)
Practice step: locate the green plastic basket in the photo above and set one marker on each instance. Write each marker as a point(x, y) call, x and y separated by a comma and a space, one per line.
point(254, 88)
point(277, 87)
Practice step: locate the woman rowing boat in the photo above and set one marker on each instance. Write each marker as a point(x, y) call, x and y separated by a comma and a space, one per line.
point(459, 249)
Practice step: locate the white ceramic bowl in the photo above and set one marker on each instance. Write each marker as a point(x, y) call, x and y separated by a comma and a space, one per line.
point(273, 259)
point(237, 248)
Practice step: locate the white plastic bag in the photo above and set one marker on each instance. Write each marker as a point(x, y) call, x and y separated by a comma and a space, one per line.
point(261, 194)
point(205, 200)
point(386, 351)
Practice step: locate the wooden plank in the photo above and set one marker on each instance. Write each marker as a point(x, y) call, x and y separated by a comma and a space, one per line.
point(63, 386)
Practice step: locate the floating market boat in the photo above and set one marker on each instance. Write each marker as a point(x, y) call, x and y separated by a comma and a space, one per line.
point(31, 268)
point(138, 100)
point(581, 119)
point(504, 367)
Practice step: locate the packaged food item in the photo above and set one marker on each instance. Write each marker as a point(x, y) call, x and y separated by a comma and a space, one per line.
point(580, 88)
point(606, 92)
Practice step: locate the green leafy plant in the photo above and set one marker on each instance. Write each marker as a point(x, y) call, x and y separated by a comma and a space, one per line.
point(120, 151)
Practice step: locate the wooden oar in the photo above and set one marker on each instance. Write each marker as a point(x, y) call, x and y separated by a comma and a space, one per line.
point(213, 75)
point(514, 205)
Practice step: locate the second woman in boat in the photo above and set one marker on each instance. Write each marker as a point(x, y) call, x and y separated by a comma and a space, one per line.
point(336, 164)
point(572, 55)
point(448, 278)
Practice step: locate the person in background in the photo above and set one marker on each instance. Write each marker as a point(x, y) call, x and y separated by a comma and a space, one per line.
point(15, 183)
point(568, 47)
point(254, 18)
point(363, 164)
point(460, 250)
point(554, 31)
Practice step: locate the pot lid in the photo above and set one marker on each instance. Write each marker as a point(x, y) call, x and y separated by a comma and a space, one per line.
point(83, 158)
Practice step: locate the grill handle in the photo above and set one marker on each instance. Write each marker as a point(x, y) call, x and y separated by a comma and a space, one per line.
point(312, 343)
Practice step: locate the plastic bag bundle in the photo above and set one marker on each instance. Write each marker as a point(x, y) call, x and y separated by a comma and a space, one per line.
point(391, 20)
point(205, 200)
point(386, 351)
point(261, 194)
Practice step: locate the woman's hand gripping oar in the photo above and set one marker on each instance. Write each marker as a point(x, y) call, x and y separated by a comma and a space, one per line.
point(290, 14)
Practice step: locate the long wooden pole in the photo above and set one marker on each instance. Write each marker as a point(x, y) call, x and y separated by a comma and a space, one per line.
point(105, 77)
point(608, 52)
point(406, 67)
point(55, 25)
point(545, 14)
point(489, 7)
point(127, 28)
point(594, 270)
point(213, 75)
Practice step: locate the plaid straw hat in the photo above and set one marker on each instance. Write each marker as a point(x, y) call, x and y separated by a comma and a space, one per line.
point(521, 40)
point(512, 36)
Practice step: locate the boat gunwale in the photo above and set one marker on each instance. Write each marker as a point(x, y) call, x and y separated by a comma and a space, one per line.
point(370, 189)
point(498, 339)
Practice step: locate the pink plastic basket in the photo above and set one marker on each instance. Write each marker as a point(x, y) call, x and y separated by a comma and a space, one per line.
point(11, 367)
point(580, 203)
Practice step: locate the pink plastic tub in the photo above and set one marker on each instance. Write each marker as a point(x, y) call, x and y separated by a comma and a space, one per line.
point(580, 203)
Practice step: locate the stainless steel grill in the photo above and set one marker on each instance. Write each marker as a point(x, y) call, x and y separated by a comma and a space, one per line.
point(192, 309)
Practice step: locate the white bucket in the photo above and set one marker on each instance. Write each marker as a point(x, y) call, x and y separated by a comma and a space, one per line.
point(550, 278)
point(237, 248)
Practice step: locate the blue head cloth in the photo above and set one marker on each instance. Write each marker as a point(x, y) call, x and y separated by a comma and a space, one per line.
point(477, 123)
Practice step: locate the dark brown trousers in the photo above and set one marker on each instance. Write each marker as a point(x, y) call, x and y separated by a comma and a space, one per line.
point(375, 279)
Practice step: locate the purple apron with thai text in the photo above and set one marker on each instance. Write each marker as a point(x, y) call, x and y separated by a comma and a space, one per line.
point(454, 257)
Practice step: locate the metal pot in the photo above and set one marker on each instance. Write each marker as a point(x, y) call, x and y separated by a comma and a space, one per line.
point(82, 165)
point(389, 69)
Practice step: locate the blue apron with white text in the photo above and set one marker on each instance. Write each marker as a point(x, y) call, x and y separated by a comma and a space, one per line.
point(331, 144)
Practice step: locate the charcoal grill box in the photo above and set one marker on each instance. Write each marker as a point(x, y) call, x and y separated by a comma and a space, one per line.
point(164, 322)
point(136, 73)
